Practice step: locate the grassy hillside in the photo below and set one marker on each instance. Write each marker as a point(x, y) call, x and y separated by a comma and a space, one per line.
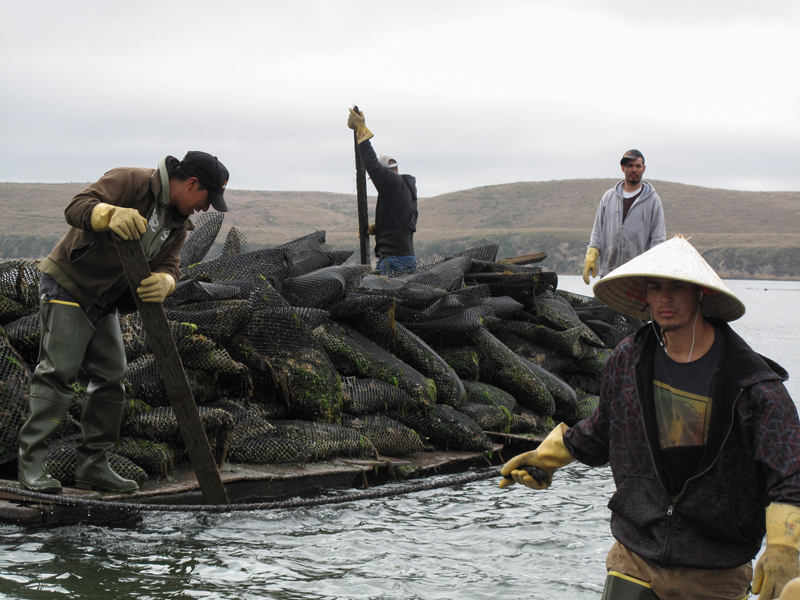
point(742, 234)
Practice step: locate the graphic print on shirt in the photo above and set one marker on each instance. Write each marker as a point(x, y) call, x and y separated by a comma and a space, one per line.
point(683, 418)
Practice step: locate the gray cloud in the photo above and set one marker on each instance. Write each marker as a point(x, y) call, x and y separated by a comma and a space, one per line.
point(463, 94)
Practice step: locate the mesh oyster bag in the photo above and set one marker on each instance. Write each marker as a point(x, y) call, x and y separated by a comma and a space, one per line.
point(446, 428)
point(489, 395)
point(353, 354)
point(469, 362)
point(19, 282)
point(327, 440)
point(513, 375)
point(161, 425)
point(390, 437)
point(578, 342)
point(23, 335)
point(489, 418)
point(270, 264)
point(157, 459)
point(14, 385)
point(201, 238)
point(368, 396)
point(297, 361)
point(323, 287)
point(410, 348)
point(144, 383)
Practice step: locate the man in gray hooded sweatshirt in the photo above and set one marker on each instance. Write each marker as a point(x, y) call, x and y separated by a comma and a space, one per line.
point(629, 221)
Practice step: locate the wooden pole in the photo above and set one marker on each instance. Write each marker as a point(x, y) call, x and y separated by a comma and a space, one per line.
point(363, 209)
point(172, 374)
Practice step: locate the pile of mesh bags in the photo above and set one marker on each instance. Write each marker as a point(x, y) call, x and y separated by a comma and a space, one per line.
point(294, 356)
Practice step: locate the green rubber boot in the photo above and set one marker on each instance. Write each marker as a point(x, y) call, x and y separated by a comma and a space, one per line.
point(64, 334)
point(45, 418)
point(100, 424)
point(105, 364)
point(624, 587)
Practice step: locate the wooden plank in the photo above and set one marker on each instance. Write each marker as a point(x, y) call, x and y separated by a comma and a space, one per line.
point(525, 259)
point(172, 374)
point(361, 199)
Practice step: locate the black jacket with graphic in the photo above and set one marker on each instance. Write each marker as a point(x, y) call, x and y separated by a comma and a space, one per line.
point(751, 458)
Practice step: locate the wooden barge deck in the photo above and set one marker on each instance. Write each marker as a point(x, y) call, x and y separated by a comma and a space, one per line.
point(252, 483)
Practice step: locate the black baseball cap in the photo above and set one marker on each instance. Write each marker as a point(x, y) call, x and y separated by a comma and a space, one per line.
point(631, 155)
point(211, 173)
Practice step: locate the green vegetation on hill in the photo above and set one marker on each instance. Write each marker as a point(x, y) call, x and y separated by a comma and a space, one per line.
point(742, 234)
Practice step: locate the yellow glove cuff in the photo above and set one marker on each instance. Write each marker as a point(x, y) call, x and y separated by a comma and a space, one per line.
point(101, 216)
point(592, 253)
point(783, 525)
point(552, 453)
point(363, 134)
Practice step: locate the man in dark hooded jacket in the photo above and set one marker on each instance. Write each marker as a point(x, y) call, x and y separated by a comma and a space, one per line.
point(396, 208)
point(702, 438)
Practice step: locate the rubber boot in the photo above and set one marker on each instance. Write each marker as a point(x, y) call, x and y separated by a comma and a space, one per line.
point(45, 418)
point(100, 424)
point(624, 587)
point(105, 364)
point(65, 332)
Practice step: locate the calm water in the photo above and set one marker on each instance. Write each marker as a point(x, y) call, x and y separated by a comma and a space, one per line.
point(474, 541)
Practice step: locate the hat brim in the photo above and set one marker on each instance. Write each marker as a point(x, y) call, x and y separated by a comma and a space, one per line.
point(624, 289)
point(217, 201)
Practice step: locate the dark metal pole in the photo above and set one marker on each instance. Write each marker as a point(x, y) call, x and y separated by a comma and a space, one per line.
point(361, 196)
point(172, 374)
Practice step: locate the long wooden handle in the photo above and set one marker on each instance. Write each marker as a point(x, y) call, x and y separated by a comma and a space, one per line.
point(172, 374)
point(361, 198)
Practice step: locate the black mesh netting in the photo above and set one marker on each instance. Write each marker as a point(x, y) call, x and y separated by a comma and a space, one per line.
point(293, 356)
point(367, 396)
point(447, 428)
point(19, 289)
point(201, 238)
point(390, 437)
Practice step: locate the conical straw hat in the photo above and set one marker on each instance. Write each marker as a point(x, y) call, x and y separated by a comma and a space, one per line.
point(623, 289)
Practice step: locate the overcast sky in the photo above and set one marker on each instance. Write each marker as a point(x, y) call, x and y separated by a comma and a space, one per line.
point(461, 93)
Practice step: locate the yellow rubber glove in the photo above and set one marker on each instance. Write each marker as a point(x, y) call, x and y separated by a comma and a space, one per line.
point(127, 223)
point(156, 287)
point(550, 456)
point(590, 266)
point(780, 561)
point(356, 122)
point(372, 229)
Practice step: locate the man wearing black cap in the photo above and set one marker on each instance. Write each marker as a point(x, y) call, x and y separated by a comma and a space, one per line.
point(629, 221)
point(81, 283)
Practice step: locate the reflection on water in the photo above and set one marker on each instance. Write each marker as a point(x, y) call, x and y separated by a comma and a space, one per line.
point(472, 541)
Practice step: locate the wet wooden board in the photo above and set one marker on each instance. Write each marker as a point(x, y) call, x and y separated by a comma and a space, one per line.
point(244, 484)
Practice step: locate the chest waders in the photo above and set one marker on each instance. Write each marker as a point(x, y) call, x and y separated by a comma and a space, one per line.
point(623, 587)
point(69, 341)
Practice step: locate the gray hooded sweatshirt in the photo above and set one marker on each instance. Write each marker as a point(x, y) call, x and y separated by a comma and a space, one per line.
point(619, 242)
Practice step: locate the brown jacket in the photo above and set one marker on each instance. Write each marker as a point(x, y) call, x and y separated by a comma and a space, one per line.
point(85, 262)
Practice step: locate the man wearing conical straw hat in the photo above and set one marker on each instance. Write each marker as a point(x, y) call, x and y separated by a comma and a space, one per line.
point(702, 438)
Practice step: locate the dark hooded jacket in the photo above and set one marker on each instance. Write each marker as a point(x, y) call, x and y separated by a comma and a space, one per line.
point(751, 458)
point(396, 209)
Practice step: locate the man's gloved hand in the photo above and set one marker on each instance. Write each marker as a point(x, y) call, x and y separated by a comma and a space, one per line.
point(590, 266)
point(156, 287)
point(372, 229)
point(356, 122)
point(127, 223)
point(550, 456)
point(780, 561)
